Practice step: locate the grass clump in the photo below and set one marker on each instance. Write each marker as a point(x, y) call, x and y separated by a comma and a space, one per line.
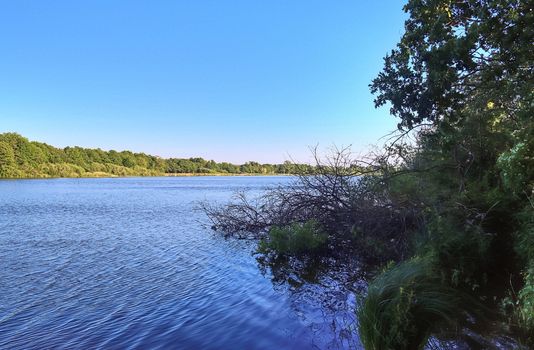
point(405, 305)
point(525, 310)
point(295, 239)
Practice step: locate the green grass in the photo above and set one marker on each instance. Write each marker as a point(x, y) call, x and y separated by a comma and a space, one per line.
point(405, 306)
point(295, 239)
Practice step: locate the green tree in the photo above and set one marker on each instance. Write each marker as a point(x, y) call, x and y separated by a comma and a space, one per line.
point(454, 51)
point(7, 161)
point(7, 156)
point(128, 159)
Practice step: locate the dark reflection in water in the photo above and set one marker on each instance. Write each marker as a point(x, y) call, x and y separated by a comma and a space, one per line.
point(323, 291)
point(127, 263)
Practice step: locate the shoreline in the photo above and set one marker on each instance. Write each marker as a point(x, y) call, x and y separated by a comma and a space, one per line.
point(110, 176)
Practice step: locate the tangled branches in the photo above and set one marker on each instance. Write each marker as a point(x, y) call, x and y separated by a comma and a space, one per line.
point(347, 198)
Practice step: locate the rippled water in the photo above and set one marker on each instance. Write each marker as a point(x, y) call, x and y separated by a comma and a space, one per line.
point(128, 263)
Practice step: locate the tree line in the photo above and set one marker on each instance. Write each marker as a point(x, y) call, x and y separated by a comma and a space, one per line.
point(21, 158)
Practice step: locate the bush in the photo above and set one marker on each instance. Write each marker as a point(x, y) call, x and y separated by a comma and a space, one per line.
point(462, 256)
point(10, 172)
point(525, 236)
point(295, 239)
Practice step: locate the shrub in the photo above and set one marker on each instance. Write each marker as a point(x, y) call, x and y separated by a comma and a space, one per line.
point(462, 256)
point(525, 236)
point(294, 239)
point(10, 172)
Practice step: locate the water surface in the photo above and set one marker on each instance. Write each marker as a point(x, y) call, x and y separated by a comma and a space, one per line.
point(128, 263)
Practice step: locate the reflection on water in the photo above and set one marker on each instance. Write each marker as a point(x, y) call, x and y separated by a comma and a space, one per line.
point(128, 263)
point(323, 291)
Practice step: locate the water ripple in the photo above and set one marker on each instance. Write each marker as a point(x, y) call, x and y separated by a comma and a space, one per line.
point(124, 264)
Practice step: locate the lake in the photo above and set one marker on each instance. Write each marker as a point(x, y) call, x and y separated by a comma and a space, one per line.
point(129, 263)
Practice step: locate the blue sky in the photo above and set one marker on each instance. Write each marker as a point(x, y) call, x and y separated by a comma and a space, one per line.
point(226, 80)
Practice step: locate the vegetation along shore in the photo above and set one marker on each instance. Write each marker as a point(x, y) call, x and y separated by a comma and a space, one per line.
point(21, 158)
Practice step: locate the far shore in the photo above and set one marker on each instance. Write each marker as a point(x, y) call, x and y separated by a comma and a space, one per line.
point(104, 176)
point(223, 174)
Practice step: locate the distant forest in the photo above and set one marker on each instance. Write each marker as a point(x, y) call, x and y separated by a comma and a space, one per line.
point(21, 158)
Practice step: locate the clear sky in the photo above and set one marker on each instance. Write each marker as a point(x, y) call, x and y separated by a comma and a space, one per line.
point(227, 80)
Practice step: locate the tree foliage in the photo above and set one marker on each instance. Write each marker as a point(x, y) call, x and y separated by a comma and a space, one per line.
point(21, 158)
point(455, 52)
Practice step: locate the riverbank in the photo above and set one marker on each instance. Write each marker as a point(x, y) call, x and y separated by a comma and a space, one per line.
point(222, 174)
point(106, 175)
